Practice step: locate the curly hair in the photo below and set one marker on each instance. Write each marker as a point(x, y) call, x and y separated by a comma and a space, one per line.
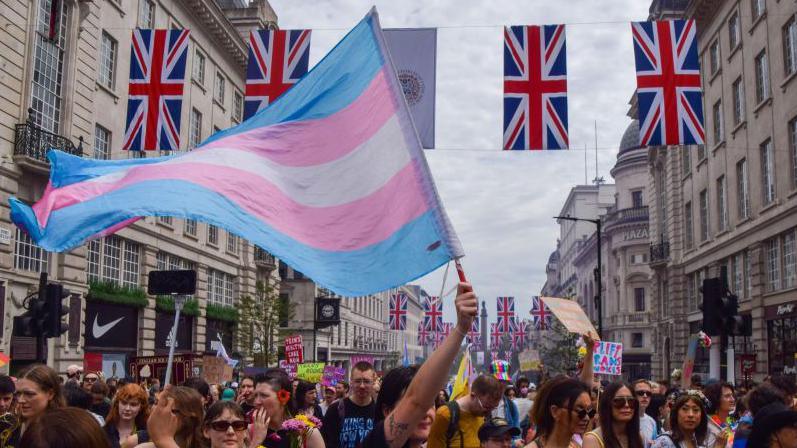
point(713, 393)
point(130, 392)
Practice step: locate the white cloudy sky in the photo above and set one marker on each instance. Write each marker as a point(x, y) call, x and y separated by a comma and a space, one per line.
point(501, 203)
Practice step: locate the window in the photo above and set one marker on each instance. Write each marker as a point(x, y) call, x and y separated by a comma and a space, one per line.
point(102, 143)
point(194, 129)
point(722, 206)
point(748, 278)
point(767, 172)
point(793, 143)
point(114, 260)
point(146, 14)
point(737, 90)
point(639, 299)
point(701, 152)
point(742, 192)
point(213, 235)
point(232, 243)
point(639, 258)
point(166, 220)
point(737, 270)
point(28, 256)
point(237, 107)
point(105, 73)
point(734, 27)
point(218, 94)
point(199, 67)
point(758, 8)
point(704, 227)
point(790, 46)
point(716, 115)
point(789, 260)
point(636, 199)
point(686, 160)
point(48, 66)
point(637, 340)
point(714, 56)
point(773, 265)
point(189, 227)
point(220, 287)
point(761, 77)
point(689, 238)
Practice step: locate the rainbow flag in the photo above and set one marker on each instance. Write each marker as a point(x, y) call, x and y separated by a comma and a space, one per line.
point(331, 178)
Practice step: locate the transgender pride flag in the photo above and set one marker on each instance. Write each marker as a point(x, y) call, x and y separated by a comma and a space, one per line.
point(331, 178)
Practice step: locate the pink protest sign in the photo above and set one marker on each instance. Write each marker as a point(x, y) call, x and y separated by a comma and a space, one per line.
point(358, 358)
point(608, 358)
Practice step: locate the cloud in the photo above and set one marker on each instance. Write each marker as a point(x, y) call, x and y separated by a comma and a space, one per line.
point(502, 204)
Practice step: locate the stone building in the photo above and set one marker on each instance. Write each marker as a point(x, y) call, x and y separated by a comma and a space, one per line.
point(732, 203)
point(64, 72)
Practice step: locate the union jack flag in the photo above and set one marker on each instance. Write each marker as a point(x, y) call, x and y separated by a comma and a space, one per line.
point(433, 314)
point(519, 332)
point(442, 334)
point(541, 315)
point(277, 60)
point(495, 335)
point(670, 100)
point(423, 334)
point(474, 334)
point(155, 92)
point(398, 311)
point(535, 87)
point(506, 313)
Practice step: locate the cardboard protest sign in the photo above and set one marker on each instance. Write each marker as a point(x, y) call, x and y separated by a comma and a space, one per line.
point(288, 367)
point(571, 315)
point(294, 350)
point(529, 360)
point(310, 371)
point(608, 358)
point(216, 370)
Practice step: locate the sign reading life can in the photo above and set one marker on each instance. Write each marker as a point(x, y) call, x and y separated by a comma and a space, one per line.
point(172, 282)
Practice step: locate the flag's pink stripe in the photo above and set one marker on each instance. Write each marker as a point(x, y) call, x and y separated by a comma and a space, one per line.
point(313, 142)
point(345, 227)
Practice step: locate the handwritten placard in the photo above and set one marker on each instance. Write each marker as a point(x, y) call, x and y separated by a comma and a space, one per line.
point(529, 360)
point(608, 358)
point(571, 315)
point(294, 350)
point(288, 367)
point(359, 358)
point(310, 371)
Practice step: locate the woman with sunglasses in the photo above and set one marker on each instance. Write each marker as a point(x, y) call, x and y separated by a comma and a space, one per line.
point(689, 422)
point(562, 409)
point(618, 420)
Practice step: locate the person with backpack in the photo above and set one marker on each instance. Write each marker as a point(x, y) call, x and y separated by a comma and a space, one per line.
point(457, 424)
point(350, 419)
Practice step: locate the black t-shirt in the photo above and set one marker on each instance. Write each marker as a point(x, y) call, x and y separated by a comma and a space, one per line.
point(377, 439)
point(349, 431)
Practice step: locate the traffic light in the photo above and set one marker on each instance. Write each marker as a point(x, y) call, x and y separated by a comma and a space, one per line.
point(31, 322)
point(55, 310)
point(712, 291)
point(731, 322)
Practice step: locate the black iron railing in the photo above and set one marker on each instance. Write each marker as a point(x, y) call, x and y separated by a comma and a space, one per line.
point(34, 142)
point(262, 256)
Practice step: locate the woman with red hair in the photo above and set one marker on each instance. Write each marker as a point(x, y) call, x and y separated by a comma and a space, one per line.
point(129, 412)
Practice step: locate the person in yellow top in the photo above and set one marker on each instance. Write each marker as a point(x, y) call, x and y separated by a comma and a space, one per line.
point(469, 413)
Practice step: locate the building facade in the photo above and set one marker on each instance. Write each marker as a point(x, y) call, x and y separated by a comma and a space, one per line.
point(731, 205)
point(64, 70)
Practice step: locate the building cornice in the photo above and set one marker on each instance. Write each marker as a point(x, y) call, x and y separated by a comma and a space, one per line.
point(215, 21)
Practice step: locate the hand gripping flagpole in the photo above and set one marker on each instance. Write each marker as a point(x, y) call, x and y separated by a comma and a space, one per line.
point(179, 301)
point(460, 271)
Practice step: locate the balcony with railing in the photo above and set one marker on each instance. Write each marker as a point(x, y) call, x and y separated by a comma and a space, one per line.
point(626, 215)
point(660, 253)
point(31, 144)
point(265, 259)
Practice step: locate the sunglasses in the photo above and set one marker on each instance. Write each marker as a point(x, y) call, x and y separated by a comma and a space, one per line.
point(584, 413)
point(621, 402)
point(643, 393)
point(224, 425)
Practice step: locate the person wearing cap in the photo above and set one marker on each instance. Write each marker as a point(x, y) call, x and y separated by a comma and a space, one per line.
point(496, 433)
point(329, 398)
point(228, 395)
point(775, 426)
point(506, 409)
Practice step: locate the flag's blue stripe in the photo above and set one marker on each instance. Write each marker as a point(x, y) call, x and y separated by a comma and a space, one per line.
point(387, 264)
point(330, 86)
point(66, 169)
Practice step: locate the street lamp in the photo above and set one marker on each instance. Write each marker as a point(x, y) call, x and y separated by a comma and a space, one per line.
point(598, 295)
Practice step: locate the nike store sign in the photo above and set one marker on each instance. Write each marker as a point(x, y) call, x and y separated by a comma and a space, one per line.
point(110, 326)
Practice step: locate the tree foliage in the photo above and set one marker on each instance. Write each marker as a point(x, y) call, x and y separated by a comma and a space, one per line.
point(559, 352)
point(260, 320)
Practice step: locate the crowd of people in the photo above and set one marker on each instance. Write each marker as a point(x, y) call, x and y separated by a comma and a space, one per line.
point(407, 407)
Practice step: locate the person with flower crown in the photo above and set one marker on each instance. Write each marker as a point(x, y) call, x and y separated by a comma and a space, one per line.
point(689, 421)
